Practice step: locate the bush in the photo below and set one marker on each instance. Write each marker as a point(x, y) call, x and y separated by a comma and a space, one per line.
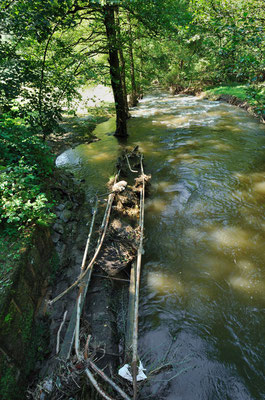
point(21, 199)
point(256, 98)
point(17, 140)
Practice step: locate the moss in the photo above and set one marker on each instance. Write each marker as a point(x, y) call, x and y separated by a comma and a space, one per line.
point(13, 383)
point(37, 343)
point(6, 324)
point(21, 338)
point(8, 383)
point(26, 325)
point(10, 251)
point(41, 338)
point(54, 266)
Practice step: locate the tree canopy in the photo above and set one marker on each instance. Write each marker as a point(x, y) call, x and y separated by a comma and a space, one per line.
point(50, 48)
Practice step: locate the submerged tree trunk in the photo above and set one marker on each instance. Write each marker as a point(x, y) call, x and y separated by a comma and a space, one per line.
point(122, 63)
point(133, 97)
point(115, 75)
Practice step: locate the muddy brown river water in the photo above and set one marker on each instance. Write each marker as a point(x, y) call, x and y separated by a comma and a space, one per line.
point(202, 306)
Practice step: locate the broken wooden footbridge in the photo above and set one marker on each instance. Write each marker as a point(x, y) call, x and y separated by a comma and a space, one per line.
point(119, 246)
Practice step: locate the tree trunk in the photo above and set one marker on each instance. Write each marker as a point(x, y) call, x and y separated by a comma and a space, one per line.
point(133, 97)
point(140, 90)
point(122, 63)
point(115, 75)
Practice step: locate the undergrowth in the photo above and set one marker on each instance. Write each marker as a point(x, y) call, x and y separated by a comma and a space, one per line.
point(25, 163)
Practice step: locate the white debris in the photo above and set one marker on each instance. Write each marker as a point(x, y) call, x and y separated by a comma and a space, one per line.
point(126, 374)
point(141, 375)
point(119, 186)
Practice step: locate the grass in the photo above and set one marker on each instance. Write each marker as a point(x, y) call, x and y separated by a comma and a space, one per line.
point(236, 90)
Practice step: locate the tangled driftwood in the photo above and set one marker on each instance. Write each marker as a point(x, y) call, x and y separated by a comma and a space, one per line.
point(117, 246)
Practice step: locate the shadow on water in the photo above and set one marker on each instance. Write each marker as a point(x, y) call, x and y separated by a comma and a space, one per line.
point(203, 280)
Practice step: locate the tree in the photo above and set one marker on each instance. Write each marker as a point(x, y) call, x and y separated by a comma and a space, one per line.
point(61, 44)
point(231, 37)
point(115, 74)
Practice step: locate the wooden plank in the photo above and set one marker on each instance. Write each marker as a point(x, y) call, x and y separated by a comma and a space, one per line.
point(131, 312)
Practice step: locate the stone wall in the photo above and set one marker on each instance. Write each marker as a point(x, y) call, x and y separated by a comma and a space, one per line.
point(18, 307)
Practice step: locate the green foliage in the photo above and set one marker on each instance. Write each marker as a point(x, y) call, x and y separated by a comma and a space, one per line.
point(56, 46)
point(22, 201)
point(256, 97)
point(39, 72)
point(233, 36)
point(105, 110)
point(8, 382)
point(26, 160)
point(41, 112)
point(10, 244)
point(17, 140)
point(214, 41)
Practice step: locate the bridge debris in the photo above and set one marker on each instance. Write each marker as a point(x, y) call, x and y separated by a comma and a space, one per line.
point(119, 244)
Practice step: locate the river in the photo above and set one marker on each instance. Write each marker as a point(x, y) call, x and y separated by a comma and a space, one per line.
point(203, 280)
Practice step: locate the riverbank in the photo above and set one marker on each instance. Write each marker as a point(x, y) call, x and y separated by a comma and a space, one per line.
point(251, 100)
point(33, 264)
point(102, 311)
point(107, 294)
point(245, 96)
point(56, 199)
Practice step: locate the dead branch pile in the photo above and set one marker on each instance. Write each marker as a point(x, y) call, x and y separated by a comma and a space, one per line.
point(117, 246)
point(120, 247)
